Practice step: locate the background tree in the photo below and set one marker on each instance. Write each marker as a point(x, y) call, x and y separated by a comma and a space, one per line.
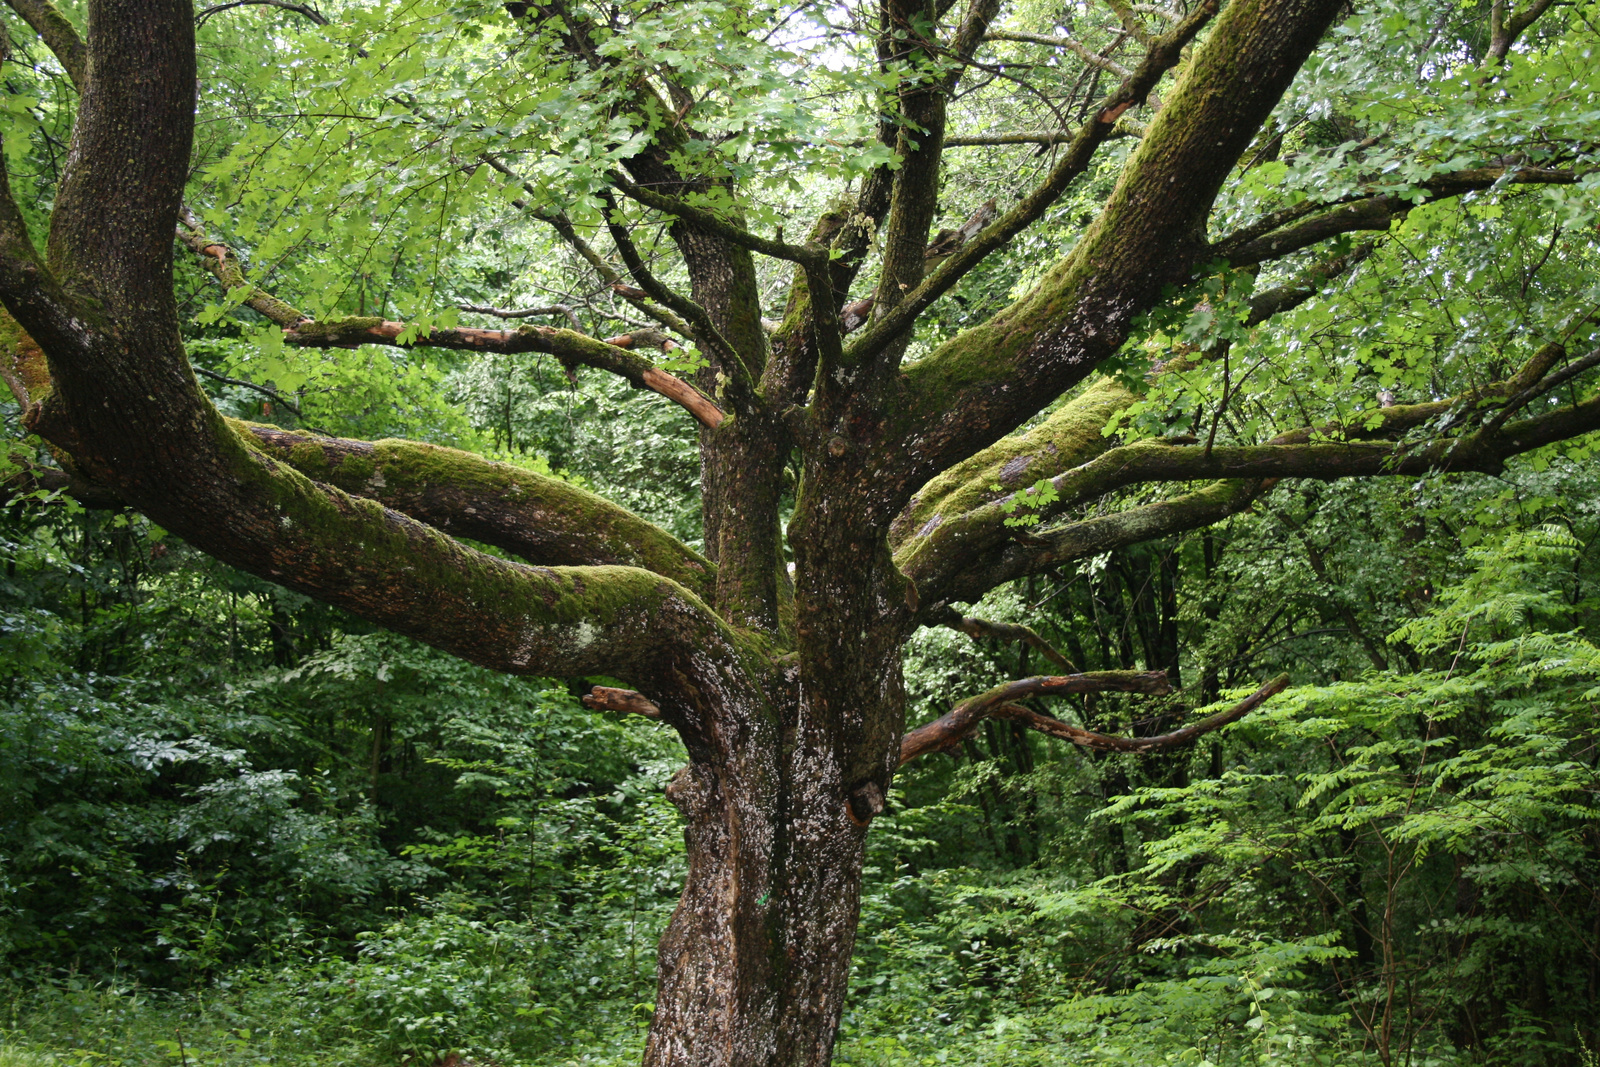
point(897, 471)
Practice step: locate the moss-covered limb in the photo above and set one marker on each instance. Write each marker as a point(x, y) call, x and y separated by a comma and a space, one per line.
point(1137, 745)
point(968, 559)
point(568, 346)
point(1263, 240)
point(950, 729)
point(1034, 552)
point(1073, 435)
point(58, 34)
point(543, 520)
point(222, 263)
point(1163, 55)
point(941, 558)
point(986, 381)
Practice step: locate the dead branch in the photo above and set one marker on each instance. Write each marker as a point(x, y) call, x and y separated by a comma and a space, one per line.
point(1006, 631)
point(605, 698)
point(946, 732)
point(950, 729)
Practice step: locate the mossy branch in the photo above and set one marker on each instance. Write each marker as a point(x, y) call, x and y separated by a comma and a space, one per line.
point(541, 519)
point(58, 34)
point(1272, 237)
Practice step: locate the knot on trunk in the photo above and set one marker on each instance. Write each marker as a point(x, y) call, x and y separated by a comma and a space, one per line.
point(864, 803)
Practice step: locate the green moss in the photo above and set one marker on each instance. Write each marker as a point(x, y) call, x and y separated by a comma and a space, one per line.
point(1070, 436)
point(337, 331)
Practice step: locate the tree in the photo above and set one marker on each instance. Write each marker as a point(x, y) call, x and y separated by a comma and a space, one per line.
point(921, 479)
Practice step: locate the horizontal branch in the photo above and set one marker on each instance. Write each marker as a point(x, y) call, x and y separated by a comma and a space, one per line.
point(526, 313)
point(952, 728)
point(943, 734)
point(1142, 745)
point(1035, 552)
point(1077, 48)
point(1266, 238)
point(959, 556)
point(568, 346)
point(1125, 127)
point(543, 520)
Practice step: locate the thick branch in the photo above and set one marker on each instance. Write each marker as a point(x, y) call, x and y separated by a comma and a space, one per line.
point(1264, 240)
point(1163, 55)
point(1072, 435)
point(1036, 552)
point(950, 729)
point(58, 35)
point(543, 520)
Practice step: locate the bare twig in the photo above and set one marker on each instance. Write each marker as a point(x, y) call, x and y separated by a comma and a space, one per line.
point(300, 9)
point(527, 313)
point(1006, 631)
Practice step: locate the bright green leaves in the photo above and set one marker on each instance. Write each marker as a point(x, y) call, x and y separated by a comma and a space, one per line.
point(1026, 508)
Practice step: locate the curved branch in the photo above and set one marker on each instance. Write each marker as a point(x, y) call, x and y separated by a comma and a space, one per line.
point(568, 346)
point(58, 34)
point(543, 520)
point(950, 729)
point(945, 733)
point(1266, 239)
point(1006, 631)
point(286, 5)
point(571, 348)
point(1035, 552)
